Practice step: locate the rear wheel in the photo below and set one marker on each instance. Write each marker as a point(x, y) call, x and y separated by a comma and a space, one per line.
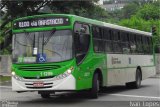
point(95, 87)
point(137, 83)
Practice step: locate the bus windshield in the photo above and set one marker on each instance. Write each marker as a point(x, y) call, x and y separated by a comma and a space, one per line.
point(54, 46)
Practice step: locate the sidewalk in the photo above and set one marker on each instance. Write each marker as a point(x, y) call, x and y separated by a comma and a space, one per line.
point(156, 76)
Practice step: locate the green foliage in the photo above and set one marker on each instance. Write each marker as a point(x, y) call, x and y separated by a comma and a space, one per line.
point(142, 24)
point(6, 51)
point(129, 10)
point(5, 78)
point(144, 18)
point(115, 16)
point(81, 8)
point(136, 23)
point(149, 11)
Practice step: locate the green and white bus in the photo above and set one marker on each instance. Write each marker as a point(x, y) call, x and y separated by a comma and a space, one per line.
point(61, 52)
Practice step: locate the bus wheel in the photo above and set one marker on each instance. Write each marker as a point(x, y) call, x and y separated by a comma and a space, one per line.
point(45, 95)
point(137, 83)
point(95, 87)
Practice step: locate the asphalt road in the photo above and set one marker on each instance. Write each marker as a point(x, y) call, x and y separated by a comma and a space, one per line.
point(115, 96)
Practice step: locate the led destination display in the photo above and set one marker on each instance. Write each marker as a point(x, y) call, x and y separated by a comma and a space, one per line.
point(41, 22)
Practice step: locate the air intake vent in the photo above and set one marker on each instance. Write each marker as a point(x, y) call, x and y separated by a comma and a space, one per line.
point(40, 87)
point(39, 77)
point(42, 67)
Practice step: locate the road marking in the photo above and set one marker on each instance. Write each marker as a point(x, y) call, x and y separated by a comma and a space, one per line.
point(135, 96)
point(5, 87)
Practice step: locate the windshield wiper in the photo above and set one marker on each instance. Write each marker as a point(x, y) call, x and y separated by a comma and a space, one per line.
point(50, 35)
point(47, 40)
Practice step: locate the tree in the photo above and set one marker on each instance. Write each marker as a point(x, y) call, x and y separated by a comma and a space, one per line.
point(16, 9)
point(136, 23)
point(149, 11)
point(81, 8)
point(129, 10)
point(144, 18)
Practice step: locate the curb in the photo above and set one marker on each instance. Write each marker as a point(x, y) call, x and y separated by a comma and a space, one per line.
point(5, 74)
point(155, 76)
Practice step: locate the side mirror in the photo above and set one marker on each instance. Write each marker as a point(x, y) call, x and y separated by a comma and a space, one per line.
point(82, 30)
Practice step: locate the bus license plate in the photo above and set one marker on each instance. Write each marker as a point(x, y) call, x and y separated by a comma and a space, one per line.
point(38, 84)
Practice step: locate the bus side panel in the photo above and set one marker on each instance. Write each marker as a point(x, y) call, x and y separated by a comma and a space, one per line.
point(122, 68)
point(117, 65)
point(87, 69)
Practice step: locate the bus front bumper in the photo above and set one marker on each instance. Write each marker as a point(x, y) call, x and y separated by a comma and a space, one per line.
point(68, 83)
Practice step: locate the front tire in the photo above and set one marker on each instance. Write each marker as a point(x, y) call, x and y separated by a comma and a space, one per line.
point(95, 87)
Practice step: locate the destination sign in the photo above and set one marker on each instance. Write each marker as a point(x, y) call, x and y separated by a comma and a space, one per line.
point(41, 22)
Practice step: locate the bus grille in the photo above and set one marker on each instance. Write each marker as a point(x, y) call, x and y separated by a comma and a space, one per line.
point(39, 87)
point(48, 77)
point(46, 85)
point(38, 67)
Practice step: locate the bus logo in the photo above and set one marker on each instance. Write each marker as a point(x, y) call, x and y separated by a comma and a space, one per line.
point(115, 61)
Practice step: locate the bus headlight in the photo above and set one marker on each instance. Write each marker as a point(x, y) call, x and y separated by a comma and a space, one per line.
point(69, 71)
point(16, 77)
point(13, 73)
point(64, 75)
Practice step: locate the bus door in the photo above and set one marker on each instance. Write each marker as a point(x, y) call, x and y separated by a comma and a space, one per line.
point(82, 44)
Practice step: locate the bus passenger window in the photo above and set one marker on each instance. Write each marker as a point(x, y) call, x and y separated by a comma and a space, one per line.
point(98, 42)
point(107, 40)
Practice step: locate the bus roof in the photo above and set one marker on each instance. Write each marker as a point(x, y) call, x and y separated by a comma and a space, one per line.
point(113, 26)
point(92, 21)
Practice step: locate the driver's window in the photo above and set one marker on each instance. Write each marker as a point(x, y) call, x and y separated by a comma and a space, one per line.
point(82, 40)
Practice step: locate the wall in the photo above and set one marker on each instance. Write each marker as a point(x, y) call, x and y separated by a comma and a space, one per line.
point(0, 64)
point(158, 63)
point(5, 64)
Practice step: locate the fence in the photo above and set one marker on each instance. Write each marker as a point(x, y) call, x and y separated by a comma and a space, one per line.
point(5, 64)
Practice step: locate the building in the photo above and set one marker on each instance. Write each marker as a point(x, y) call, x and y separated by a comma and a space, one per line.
point(100, 2)
point(112, 5)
